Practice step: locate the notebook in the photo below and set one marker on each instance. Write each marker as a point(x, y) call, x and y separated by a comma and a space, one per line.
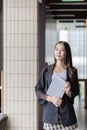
point(56, 87)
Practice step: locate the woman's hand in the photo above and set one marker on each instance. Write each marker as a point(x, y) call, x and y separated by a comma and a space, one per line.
point(55, 100)
point(67, 89)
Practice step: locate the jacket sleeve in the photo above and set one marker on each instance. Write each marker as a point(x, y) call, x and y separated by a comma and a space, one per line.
point(40, 87)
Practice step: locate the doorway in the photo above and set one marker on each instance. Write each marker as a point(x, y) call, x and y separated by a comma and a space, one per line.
point(66, 21)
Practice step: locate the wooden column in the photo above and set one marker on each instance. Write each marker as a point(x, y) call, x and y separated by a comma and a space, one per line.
point(41, 52)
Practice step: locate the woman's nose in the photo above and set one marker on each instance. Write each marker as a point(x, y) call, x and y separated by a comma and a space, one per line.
point(58, 52)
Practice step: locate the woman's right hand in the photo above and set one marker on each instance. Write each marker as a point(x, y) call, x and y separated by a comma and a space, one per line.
point(56, 101)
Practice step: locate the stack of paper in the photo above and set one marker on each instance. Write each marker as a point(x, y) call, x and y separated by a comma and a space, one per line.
point(56, 87)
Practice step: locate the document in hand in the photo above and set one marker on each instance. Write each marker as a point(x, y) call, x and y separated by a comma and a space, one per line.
point(56, 86)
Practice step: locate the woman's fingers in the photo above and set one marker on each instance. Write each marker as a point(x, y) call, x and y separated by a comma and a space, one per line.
point(56, 101)
point(67, 87)
point(68, 84)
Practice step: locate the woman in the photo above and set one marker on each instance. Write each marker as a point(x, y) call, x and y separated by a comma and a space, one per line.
point(59, 114)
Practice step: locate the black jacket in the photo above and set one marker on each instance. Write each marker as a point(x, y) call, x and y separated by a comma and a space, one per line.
point(50, 112)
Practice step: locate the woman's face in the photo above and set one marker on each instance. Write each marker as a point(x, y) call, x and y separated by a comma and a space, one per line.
point(60, 52)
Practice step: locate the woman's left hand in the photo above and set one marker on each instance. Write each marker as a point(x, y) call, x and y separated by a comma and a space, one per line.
point(67, 89)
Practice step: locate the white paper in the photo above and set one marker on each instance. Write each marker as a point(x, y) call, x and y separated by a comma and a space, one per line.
point(56, 87)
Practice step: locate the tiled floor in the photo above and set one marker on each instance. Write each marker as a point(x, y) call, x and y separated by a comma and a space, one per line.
point(81, 113)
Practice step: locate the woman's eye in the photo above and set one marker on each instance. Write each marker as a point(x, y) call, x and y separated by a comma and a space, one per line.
point(56, 49)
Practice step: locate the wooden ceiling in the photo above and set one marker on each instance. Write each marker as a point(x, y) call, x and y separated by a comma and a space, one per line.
point(56, 10)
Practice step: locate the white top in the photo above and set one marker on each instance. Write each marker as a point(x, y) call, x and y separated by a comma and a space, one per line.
point(63, 74)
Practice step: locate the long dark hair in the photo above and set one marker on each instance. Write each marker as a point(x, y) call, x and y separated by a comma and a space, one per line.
point(68, 60)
